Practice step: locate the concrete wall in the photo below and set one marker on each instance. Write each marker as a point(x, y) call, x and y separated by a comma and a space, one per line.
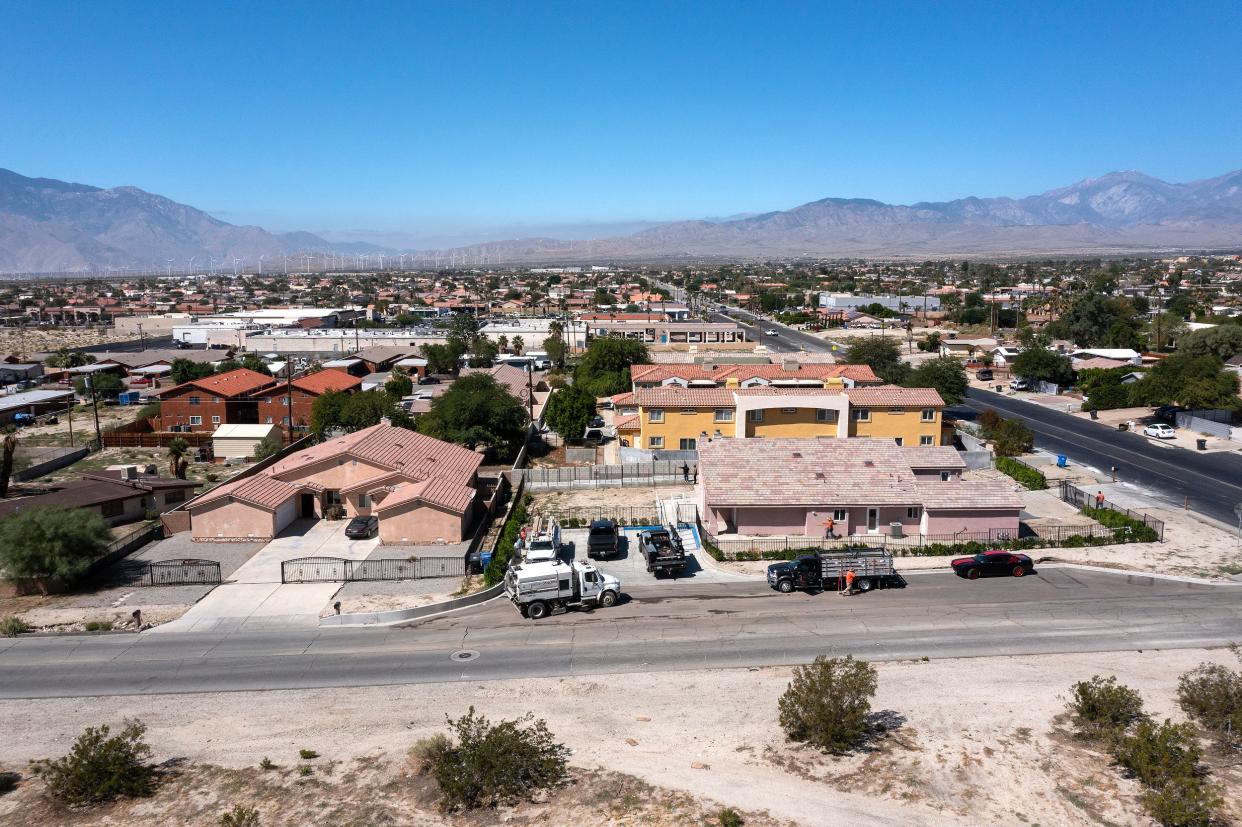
point(768, 521)
point(971, 521)
point(420, 523)
point(226, 520)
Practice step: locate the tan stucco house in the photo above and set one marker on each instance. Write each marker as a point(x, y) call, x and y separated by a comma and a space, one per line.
point(422, 490)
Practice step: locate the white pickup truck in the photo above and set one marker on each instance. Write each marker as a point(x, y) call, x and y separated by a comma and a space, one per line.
point(540, 589)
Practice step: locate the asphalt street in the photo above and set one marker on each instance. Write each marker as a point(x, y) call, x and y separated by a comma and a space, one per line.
point(1211, 483)
point(717, 625)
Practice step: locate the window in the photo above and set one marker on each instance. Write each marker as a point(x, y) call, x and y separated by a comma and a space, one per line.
point(655, 442)
point(689, 411)
point(838, 515)
point(196, 420)
point(724, 415)
point(929, 414)
point(332, 497)
point(195, 400)
point(175, 496)
point(944, 476)
point(927, 440)
point(364, 500)
point(755, 415)
point(267, 421)
point(825, 415)
point(862, 414)
point(267, 400)
point(215, 420)
point(789, 410)
point(688, 444)
point(284, 420)
point(655, 415)
point(914, 512)
point(114, 508)
point(899, 440)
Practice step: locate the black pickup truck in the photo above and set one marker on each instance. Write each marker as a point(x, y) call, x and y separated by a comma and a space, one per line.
point(662, 551)
point(872, 567)
point(602, 540)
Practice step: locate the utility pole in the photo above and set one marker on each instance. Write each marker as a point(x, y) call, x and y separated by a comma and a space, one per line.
point(142, 342)
point(289, 399)
point(90, 386)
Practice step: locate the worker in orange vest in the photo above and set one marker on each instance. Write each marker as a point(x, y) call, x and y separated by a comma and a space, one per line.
point(830, 524)
point(849, 582)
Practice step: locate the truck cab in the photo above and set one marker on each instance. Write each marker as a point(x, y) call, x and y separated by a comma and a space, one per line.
point(541, 589)
point(602, 540)
point(542, 543)
point(797, 574)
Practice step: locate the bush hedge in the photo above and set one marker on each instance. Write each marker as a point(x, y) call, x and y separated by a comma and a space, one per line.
point(491, 764)
point(100, 767)
point(495, 571)
point(1135, 531)
point(1027, 476)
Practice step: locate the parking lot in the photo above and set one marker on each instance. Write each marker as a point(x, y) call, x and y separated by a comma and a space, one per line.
point(630, 568)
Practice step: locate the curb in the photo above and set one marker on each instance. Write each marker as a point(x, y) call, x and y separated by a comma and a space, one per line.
point(1178, 578)
point(400, 615)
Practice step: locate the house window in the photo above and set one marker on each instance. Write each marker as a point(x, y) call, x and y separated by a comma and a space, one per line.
point(755, 415)
point(914, 512)
point(215, 420)
point(655, 442)
point(655, 415)
point(195, 400)
point(724, 415)
point(268, 421)
point(115, 508)
point(689, 444)
point(332, 497)
point(364, 500)
point(838, 515)
point(929, 414)
point(927, 440)
point(267, 400)
point(690, 411)
point(175, 496)
point(789, 410)
point(825, 415)
point(196, 420)
point(944, 476)
point(862, 414)
point(284, 420)
point(899, 440)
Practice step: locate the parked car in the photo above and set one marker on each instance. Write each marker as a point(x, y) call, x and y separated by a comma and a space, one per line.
point(1169, 412)
point(1019, 384)
point(598, 436)
point(596, 422)
point(984, 375)
point(1160, 431)
point(995, 563)
point(360, 528)
point(602, 540)
point(771, 331)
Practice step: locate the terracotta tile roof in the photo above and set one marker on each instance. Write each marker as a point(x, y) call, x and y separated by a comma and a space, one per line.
point(958, 496)
point(677, 397)
point(262, 490)
point(778, 390)
point(446, 494)
point(810, 371)
point(394, 449)
point(885, 395)
point(231, 384)
point(326, 380)
point(934, 456)
point(626, 423)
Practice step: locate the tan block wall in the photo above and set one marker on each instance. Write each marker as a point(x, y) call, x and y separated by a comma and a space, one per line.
point(889, 424)
point(421, 523)
point(226, 520)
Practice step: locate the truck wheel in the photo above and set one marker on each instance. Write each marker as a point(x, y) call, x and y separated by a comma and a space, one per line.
point(864, 584)
point(537, 610)
point(608, 599)
point(785, 586)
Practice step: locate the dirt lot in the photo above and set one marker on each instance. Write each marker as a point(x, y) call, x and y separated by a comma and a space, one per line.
point(26, 341)
point(628, 497)
point(955, 721)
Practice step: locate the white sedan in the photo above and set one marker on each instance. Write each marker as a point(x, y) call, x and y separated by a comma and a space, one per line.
point(771, 331)
point(1160, 431)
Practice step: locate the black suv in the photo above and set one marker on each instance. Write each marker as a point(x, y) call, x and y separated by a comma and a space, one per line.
point(602, 540)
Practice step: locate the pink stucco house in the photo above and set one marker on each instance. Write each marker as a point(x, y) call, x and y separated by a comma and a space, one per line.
point(423, 490)
point(761, 487)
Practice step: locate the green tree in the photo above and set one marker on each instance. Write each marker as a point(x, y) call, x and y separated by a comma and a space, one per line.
point(554, 346)
point(9, 447)
point(66, 358)
point(1223, 341)
point(484, 352)
point(184, 370)
point(569, 411)
point(399, 385)
point(105, 384)
point(355, 411)
point(476, 411)
point(51, 542)
point(827, 703)
point(252, 361)
point(441, 358)
point(267, 447)
point(883, 355)
point(519, 345)
point(1042, 365)
point(946, 374)
point(1193, 381)
point(605, 367)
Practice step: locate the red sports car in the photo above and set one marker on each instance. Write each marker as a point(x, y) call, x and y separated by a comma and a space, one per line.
point(995, 563)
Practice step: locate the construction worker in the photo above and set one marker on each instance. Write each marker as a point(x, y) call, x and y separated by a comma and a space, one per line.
point(1099, 499)
point(830, 526)
point(849, 582)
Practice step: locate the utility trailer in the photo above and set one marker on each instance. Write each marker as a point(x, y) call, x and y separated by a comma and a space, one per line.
point(541, 589)
point(873, 569)
point(662, 551)
point(540, 541)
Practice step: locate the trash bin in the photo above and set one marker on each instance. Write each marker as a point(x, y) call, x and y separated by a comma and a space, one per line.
point(1061, 460)
point(1095, 414)
point(1121, 426)
point(1201, 444)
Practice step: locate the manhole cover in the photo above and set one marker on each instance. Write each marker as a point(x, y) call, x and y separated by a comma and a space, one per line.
point(464, 655)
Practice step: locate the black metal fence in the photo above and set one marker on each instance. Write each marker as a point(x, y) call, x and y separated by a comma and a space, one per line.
point(611, 476)
point(1081, 499)
point(622, 515)
point(338, 570)
point(184, 573)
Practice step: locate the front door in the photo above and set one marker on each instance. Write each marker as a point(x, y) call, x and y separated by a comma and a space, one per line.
point(308, 506)
point(873, 520)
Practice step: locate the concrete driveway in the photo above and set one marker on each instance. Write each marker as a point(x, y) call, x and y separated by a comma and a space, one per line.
point(631, 569)
point(254, 597)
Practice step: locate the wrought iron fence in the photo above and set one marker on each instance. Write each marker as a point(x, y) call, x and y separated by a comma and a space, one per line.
point(622, 515)
point(339, 570)
point(1081, 499)
point(668, 472)
point(184, 573)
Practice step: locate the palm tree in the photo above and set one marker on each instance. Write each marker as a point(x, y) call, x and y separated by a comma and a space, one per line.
point(518, 345)
point(502, 342)
point(177, 462)
point(6, 462)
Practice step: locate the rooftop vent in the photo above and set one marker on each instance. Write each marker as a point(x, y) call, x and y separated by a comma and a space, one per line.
point(797, 455)
point(819, 475)
point(869, 464)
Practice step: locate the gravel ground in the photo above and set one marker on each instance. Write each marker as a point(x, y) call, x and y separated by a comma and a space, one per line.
point(433, 550)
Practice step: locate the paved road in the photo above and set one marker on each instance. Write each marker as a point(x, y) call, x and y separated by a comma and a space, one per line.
point(789, 339)
point(1211, 481)
point(713, 625)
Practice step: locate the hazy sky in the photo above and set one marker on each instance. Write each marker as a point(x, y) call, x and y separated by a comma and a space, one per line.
point(435, 117)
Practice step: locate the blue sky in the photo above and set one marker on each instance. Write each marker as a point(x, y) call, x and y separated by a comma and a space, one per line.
point(479, 116)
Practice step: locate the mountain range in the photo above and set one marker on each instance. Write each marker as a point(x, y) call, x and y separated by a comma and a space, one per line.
point(49, 226)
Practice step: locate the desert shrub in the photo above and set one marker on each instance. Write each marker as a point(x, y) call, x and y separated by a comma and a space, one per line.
point(267, 447)
point(13, 626)
point(729, 817)
point(240, 816)
point(1101, 707)
point(307, 754)
point(490, 764)
point(100, 766)
point(267, 764)
point(1211, 695)
point(98, 626)
point(1182, 802)
point(427, 752)
point(827, 703)
point(1028, 477)
point(1158, 753)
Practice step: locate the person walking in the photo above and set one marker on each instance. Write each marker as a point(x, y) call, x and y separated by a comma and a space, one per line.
point(694, 475)
point(685, 472)
point(849, 583)
point(830, 525)
point(1099, 499)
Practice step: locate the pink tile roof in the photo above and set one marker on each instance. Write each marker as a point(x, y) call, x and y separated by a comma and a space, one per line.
point(964, 496)
point(674, 397)
point(261, 490)
point(884, 395)
point(394, 449)
point(934, 456)
point(444, 493)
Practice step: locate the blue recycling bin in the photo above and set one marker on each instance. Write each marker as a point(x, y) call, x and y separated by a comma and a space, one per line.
point(1061, 460)
point(485, 559)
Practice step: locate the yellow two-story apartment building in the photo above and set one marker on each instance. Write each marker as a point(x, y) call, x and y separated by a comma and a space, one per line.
point(676, 418)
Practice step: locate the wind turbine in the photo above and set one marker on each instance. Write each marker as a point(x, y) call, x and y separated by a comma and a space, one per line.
point(189, 267)
point(261, 263)
point(170, 262)
point(236, 262)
